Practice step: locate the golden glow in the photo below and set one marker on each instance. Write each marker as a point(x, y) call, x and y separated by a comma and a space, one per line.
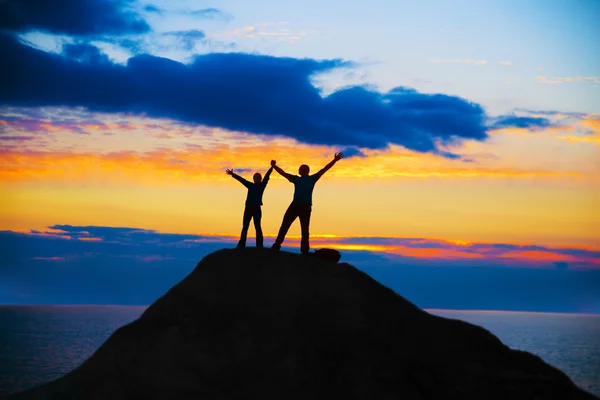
point(592, 123)
point(168, 167)
point(522, 188)
point(585, 139)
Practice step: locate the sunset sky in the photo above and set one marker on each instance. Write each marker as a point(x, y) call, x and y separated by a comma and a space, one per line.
point(472, 131)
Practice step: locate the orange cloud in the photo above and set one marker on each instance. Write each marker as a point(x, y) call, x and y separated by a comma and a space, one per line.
point(165, 166)
point(536, 255)
point(477, 253)
point(582, 139)
point(592, 123)
point(140, 154)
point(440, 249)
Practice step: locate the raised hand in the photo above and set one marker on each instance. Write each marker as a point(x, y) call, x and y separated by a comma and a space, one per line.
point(229, 171)
point(338, 156)
point(273, 162)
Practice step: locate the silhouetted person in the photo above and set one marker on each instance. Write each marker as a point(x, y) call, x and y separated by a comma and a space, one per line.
point(253, 204)
point(301, 206)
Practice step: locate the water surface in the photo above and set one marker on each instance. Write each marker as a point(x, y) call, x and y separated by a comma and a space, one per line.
point(42, 343)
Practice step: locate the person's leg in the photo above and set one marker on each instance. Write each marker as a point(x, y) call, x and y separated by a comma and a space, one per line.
point(288, 218)
point(304, 215)
point(245, 224)
point(257, 215)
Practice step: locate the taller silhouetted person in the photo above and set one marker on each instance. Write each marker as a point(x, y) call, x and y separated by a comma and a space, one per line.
point(253, 205)
point(301, 206)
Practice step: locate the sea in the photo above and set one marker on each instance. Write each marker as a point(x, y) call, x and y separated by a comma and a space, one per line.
point(41, 343)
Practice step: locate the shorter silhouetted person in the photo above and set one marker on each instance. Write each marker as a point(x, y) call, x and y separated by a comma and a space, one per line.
point(301, 206)
point(253, 205)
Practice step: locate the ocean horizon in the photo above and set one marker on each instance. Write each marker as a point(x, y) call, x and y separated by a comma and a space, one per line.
point(44, 342)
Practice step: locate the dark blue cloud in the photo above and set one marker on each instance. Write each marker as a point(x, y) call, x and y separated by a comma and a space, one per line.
point(561, 264)
point(243, 170)
point(350, 152)
point(187, 38)
point(153, 9)
point(85, 53)
point(253, 93)
point(513, 121)
point(551, 113)
point(211, 13)
point(72, 17)
point(126, 235)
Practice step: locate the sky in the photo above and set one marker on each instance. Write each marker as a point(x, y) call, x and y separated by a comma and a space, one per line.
point(471, 132)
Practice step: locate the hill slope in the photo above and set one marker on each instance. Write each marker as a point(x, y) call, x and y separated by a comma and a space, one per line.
point(275, 325)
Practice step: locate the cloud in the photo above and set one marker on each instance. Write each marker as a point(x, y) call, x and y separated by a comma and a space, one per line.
point(135, 266)
point(187, 38)
point(561, 265)
point(43, 122)
point(554, 80)
point(181, 45)
point(506, 63)
point(514, 121)
point(16, 138)
point(592, 123)
point(572, 127)
point(580, 139)
point(266, 32)
point(168, 166)
point(153, 9)
point(146, 151)
point(350, 152)
point(123, 235)
point(72, 17)
point(211, 13)
point(251, 93)
point(243, 170)
point(505, 254)
point(85, 53)
point(488, 253)
point(457, 61)
point(278, 31)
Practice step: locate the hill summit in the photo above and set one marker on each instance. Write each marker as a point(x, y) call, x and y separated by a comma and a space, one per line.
point(251, 323)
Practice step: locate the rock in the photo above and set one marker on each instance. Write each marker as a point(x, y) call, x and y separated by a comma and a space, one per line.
point(329, 254)
point(275, 325)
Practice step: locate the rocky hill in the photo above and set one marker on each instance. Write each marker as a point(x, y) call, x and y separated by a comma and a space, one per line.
point(258, 324)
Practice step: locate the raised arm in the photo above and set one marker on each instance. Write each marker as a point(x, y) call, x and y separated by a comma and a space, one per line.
point(237, 177)
point(267, 176)
point(287, 176)
point(326, 168)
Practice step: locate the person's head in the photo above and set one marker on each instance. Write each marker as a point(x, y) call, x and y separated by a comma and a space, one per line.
point(257, 178)
point(304, 170)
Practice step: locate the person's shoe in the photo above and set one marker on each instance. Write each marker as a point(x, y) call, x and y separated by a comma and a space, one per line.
point(276, 247)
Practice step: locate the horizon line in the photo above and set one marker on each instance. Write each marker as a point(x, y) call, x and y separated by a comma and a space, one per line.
point(427, 309)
